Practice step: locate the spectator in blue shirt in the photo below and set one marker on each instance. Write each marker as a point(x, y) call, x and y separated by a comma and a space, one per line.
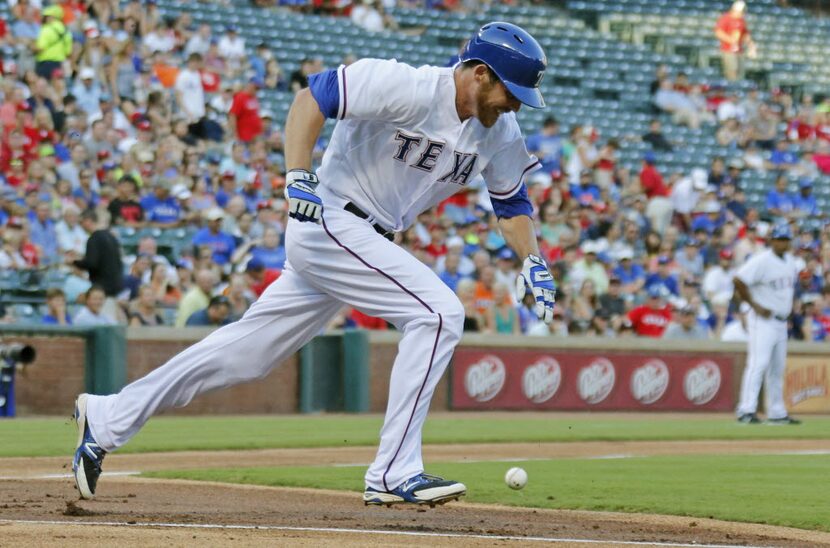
point(782, 157)
point(711, 219)
point(221, 243)
point(780, 202)
point(632, 276)
point(804, 202)
point(84, 194)
point(662, 277)
point(267, 250)
point(42, 233)
point(161, 210)
point(547, 146)
point(227, 190)
point(56, 308)
point(216, 313)
point(586, 192)
point(449, 274)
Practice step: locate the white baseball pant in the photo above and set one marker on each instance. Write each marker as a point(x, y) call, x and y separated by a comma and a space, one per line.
point(343, 260)
point(766, 360)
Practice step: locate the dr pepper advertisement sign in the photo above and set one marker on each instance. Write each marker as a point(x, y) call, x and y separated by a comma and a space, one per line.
point(529, 379)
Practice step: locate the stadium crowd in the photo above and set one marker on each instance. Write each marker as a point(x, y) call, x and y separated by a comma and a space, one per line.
point(139, 169)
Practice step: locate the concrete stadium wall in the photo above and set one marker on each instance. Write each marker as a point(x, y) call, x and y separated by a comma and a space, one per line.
point(49, 386)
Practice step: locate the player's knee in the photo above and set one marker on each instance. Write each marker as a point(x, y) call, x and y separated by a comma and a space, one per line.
point(452, 318)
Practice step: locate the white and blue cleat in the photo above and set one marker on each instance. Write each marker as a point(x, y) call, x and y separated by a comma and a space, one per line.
point(420, 489)
point(88, 454)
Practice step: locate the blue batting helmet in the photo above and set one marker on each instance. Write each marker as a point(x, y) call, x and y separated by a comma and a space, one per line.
point(514, 55)
point(781, 232)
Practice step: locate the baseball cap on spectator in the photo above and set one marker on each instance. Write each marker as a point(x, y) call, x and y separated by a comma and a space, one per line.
point(87, 73)
point(53, 11)
point(805, 183)
point(8, 194)
point(507, 254)
point(711, 206)
point(587, 247)
point(105, 98)
point(266, 115)
point(180, 191)
point(163, 182)
point(143, 125)
point(687, 309)
point(614, 280)
point(229, 174)
point(726, 254)
point(663, 259)
point(14, 222)
point(24, 107)
point(46, 150)
point(145, 156)
point(257, 81)
point(57, 73)
point(655, 291)
point(255, 265)
point(455, 242)
point(214, 157)
point(625, 255)
point(735, 163)
point(700, 179)
point(91, 30)
point(649, 157)
point(214, 214)
point(230, 28)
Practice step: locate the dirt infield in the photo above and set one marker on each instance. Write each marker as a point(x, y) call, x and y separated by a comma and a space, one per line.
point(39, 504)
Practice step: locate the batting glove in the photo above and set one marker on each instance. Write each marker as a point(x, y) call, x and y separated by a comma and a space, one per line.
point(536, 276)
point(303, 202)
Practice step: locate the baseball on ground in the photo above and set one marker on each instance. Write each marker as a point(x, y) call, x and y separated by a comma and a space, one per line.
point(516, 478)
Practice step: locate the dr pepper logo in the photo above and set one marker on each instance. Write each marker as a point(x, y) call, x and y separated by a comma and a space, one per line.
point(541, 380)
point(596, 381)
point(485, 378)
point(650, 381)
point(702, 382)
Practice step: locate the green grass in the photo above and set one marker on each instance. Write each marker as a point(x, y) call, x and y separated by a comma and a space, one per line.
point(788, 490)
point(52, 436)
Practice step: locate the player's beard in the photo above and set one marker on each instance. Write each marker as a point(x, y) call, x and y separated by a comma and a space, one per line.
point(486, 113)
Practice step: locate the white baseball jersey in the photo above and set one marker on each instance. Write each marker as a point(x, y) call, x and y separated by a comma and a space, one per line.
point(399, 147)
point(771, 280)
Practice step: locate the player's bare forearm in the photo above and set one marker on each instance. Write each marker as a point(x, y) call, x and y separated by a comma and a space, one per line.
point(302, 128)
point(520, 234)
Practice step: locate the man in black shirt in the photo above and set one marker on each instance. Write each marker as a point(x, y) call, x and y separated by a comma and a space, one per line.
point(656, 139)
point(299, 78)
point(125, 209)
point(103, 261)
point(612, 304)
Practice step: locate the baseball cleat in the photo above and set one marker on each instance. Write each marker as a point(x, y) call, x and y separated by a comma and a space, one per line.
point(420, 489)
point(88, 454)
point(783, 420)
point(749, 418)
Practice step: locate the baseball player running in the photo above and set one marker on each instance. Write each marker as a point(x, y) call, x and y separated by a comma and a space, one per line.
point(766, 282)
point(406, 138)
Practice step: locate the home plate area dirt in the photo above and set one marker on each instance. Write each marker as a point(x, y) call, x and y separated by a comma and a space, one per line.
point(135, 511)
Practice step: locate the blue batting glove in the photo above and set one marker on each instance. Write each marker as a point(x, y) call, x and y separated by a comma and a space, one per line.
point(536, 276)
point(300, 191)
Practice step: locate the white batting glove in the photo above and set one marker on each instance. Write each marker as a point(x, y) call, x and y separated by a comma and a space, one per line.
point(536, 276)
point(300, 191)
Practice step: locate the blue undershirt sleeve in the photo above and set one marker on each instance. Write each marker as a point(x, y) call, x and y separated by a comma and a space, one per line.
point(324, 89)
point(518, 204)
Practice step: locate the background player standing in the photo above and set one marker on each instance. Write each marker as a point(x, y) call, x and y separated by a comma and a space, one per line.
point(767, 283)
point(405, 140)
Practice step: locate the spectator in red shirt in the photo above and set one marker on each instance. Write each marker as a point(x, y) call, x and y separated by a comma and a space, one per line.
point(243, 119)
point(650, 319)
point(659, 209)
point(260, 277)
point(734, 38)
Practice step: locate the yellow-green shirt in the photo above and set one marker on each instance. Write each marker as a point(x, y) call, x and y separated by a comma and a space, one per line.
point(54, 43)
